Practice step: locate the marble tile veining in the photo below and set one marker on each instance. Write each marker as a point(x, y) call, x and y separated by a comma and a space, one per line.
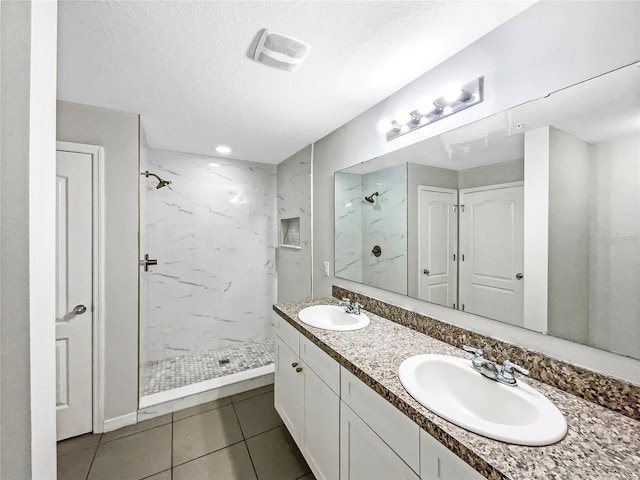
point(162, 375)
point(600, 443)
point(213, 232)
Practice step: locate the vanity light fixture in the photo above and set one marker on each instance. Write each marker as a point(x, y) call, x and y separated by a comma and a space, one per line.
point(454, 100)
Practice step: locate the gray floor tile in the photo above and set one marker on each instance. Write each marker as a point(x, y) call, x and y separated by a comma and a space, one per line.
point(166, 475)
point(251, 393)
point(135, 456)
point(75, 465)
point(204, 433)
point(231, 463)
point(136, 428)
point(257, 415)
point(78, 443)
point(188, 412)
point(276, 456)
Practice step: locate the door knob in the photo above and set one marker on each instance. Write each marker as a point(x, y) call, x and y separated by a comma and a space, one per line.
point(425, 271)
point(519, 276)
point(80, 309)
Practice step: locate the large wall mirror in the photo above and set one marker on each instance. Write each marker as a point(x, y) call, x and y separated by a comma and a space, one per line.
point(530, 217)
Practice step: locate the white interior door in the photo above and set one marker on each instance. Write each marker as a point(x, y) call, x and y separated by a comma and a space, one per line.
point(74, 294)
point(437, 243)
point(492, 252)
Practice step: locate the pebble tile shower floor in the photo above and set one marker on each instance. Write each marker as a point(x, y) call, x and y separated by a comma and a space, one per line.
point(162, 375)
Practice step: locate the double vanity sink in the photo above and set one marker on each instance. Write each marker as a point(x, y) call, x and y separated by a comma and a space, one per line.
point(458, 389)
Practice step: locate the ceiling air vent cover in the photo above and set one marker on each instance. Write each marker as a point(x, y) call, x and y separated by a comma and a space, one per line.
point(280, 51)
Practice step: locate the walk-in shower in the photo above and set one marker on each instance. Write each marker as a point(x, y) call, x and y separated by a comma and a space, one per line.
point(205, 300)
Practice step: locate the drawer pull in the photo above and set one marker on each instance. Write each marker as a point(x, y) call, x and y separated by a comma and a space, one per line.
point(294, 364)
point(299, 369)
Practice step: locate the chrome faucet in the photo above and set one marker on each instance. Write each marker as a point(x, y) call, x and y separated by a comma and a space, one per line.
point(490, 370)
point(352, 308)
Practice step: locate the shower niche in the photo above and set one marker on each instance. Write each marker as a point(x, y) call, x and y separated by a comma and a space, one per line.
point(290, 233)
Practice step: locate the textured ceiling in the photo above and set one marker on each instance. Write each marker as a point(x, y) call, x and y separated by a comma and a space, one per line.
point(183, 66)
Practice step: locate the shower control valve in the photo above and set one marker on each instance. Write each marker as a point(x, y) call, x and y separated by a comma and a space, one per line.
point(148, 261)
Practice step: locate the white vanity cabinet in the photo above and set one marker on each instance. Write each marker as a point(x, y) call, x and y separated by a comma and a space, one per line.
point(437, 462)
point(308, 405)
point(344, 429)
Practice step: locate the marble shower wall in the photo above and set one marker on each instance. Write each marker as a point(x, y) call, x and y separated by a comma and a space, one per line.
point(384, 223)
point(213, 232)
point(294, 200)
point(348, 224)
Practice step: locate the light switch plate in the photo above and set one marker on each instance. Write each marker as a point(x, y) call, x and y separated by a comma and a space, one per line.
point(326, 269)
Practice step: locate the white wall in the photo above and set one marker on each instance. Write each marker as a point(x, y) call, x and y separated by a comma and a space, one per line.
point(27, 231)
point(117, 132)
point(294, 200)
point(615, 246)
point(569, 193)
point(549, 46)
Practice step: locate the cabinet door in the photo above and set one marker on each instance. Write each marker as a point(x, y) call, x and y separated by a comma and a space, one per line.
point(364, 456)
point(437, 462)
point(321, 426)
point(289, 390)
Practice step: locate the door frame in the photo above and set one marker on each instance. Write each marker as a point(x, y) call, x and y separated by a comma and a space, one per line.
point(98, 274)
point(456, 194)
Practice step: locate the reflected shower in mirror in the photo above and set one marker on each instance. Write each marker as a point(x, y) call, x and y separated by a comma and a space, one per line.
point(530, 217)
point(371, 227)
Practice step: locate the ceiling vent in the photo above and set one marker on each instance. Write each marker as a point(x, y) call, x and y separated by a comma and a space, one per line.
point(280, 51)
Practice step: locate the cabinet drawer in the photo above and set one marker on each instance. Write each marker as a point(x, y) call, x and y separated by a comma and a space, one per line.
point(437, 462)
point(288, 334)
point(322, 364)
point(397, 430)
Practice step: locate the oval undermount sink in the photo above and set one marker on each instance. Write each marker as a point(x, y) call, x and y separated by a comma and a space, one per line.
point(332, 317)
point(452, 389)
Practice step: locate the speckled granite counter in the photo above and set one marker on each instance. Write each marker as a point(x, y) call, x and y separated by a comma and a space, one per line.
point(600, 444)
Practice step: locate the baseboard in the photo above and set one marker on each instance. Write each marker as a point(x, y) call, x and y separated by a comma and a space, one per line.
point(118, 422)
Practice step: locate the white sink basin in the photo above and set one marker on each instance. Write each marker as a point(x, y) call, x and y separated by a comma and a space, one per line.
point(332, 317)
point(452, 389)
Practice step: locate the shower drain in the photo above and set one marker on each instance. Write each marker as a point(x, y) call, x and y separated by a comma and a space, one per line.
point(224, 361)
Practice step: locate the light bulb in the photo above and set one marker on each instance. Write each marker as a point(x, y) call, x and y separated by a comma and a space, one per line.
point(452, 92)
point(447, 110)
point(403, 118)
point(404, 128)
point(384, 125)
point(425, 106)
point(223, 149)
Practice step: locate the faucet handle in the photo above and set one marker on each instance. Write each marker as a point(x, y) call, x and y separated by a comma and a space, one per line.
point(345, 301)
point(508, 367)
point(476, 351)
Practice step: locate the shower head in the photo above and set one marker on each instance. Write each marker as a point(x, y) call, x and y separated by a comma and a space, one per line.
point(161, 182)
point(370, 197)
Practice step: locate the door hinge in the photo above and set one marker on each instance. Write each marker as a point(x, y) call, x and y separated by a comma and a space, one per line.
point(454, 257)
point(463, 257)
point(463, 307)
point(454, 306)
point(462, 207)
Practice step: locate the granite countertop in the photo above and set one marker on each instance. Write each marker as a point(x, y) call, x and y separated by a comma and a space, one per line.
point(600, 443)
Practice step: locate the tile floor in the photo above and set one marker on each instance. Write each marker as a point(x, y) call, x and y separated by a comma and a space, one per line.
point(174, 372)
point(238, 437)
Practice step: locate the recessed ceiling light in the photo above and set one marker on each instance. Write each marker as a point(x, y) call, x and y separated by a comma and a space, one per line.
point(223, 149)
